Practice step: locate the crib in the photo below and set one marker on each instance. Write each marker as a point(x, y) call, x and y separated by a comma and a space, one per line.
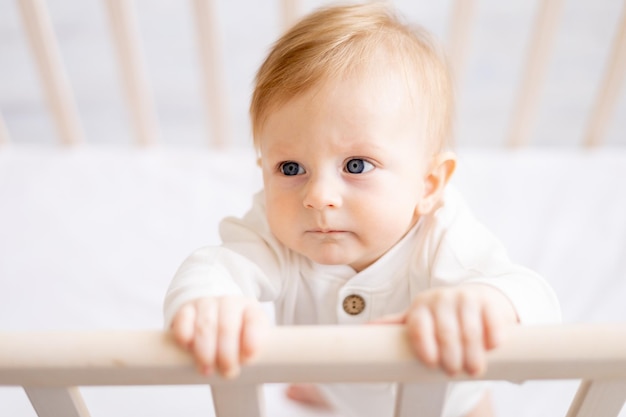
point(104, 190)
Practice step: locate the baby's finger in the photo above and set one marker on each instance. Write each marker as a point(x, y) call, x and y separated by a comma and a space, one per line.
point(448, 336)
point(498, 313)
point(183, 325)
point(421, 331)
point(390, 319)
point(205, 334)
point(493, 325)
point(254, 331)
point(229, 331)
point(472, 336)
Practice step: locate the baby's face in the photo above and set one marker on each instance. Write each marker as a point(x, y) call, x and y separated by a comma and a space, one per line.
point(344, 168)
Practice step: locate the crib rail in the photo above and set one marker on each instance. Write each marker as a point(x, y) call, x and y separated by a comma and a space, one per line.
point(49, 364)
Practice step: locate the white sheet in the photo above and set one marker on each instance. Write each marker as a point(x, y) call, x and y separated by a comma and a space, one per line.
point(90, 238)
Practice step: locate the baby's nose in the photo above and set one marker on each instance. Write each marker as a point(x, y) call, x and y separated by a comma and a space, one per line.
point(323, 193)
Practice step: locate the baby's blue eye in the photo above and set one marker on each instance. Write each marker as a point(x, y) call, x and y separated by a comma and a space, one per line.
point(291, 168)
point(358, 166)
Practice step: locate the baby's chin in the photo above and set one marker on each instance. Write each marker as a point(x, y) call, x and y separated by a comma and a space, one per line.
point(333, 252)
point(338, 260)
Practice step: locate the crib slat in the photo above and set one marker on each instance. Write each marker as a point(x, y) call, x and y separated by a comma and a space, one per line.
point(427, 398)
point(126, 39)
point(57, 402)
point(610, 87)
point(289, 12)
point(238, 401)
point(55, 82)
point(598, 399)
point(4, 133)
point(212, 64)
point(462, 15)
point(526, 107)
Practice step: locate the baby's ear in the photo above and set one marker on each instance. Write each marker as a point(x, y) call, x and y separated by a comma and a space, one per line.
point(442, 168)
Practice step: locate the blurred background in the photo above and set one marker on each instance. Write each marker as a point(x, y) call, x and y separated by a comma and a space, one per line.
point(497, 47)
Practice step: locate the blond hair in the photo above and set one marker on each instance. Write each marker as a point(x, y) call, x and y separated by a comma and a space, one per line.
point(333, 41)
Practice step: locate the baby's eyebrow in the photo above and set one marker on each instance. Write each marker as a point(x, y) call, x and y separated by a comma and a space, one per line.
point(276, 150)
point(363, 148)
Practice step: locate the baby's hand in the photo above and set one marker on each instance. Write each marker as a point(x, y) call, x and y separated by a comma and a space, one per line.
point(453, 327)
point(221, 332)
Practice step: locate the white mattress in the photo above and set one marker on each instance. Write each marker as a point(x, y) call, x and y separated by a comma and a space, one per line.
point(90, 238)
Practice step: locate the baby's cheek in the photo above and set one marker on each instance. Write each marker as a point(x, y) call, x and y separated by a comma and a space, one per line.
point(281, 222)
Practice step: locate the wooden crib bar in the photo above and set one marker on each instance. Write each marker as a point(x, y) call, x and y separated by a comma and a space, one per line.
point(238, 400)
point(130, 56)
point(212, 63)
point(459, 34)
point(4, 133)
point(612, 83)
point(526, 106)
point(428, 398)
point(56, 86)
point(125, 34)
point(47, 363)
point(57, 402)
point(290, 12)
point(599, 398)
point(139, 98)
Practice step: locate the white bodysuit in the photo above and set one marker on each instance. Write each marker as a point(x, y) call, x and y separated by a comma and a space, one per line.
point(447, 247)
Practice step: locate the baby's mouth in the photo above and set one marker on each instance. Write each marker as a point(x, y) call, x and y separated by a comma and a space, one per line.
point(324, 230)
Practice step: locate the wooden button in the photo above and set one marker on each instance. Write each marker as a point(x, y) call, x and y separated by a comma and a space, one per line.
point(353, 304)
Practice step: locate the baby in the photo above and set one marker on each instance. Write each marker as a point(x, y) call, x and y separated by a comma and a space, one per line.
point(351, 115)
